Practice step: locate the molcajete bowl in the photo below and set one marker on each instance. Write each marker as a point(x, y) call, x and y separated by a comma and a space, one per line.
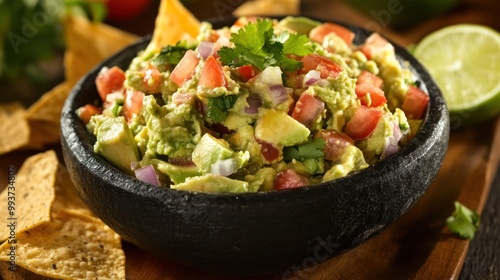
point(257, 233)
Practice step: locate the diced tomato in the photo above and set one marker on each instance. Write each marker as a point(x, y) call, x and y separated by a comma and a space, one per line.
point(109, 80)
point(377, 96)
point(335, 143)
point(133, 104)
point(376, 45)
point(363, 123)
point(212, 75)
point(246, 72)
point(87, 111)
point(415, 103)
point(152, 80)
point(220, 128)
point(185, 69)
point(289, 179)
point(319, 33)
point(307, 109)
point(324, 65)
point(370, 79)
point(268, 151)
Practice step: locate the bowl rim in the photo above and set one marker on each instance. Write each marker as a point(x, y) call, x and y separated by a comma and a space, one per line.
point(82, 150)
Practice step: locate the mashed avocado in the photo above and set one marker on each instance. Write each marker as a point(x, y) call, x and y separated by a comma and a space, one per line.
point(267, 106)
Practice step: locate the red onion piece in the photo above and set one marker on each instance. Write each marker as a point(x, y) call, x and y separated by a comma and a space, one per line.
point(391, 142)
point(311, 77)
point(206, 49)
point(147, 174)
point(224, 167)
point(278, 94)
point(254, 103)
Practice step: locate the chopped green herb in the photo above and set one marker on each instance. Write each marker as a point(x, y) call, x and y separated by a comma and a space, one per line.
point(218, 107)
point(310, 149)
point(463, 221)
point(257, 44)
point(172, 55)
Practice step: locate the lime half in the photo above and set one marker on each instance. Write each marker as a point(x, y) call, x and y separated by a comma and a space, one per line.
point(464, 60)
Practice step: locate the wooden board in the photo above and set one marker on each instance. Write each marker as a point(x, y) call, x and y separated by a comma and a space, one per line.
point(418, 246)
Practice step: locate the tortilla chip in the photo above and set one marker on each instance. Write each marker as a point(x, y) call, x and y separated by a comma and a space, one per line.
point(43, 133)
point(49, 106)
point(72, 246)
point(19, 273)
point(173, 23)
point(66, 195)
point(33, 194)
point(268, 7)
point(88, 44)
point(13, 126)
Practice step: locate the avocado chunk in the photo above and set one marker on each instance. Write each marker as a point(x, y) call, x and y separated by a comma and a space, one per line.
point(211, 150)
point(178, 174)
point(301, 25)
point(212, 183)
point(278, 128)
point(116, 144)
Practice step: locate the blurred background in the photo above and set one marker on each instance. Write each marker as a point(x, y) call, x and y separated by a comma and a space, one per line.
point(32, 43)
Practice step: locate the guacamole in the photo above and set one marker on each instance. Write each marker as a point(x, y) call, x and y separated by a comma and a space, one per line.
point(258, 106)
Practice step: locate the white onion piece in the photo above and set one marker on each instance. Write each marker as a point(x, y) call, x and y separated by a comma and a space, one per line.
point(270, 76)
point(224, 167)
point(254, 103)
point(147, 174)
point(311, 78)
point(278, 94)
point(206, 49)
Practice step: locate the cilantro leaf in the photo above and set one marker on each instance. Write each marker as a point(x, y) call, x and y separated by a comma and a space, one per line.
point(310, 149)
point(171, 55)
point(218, 107)
point(256, 44)
point(463, 221)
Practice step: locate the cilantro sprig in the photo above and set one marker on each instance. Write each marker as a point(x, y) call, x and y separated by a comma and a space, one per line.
point(310, 149)
point(218, 107)
point(172, 54)
point(258, 45)
point(463, 221)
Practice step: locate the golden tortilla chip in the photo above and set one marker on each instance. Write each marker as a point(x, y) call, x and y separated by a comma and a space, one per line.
point(173, 23)
point(43, 133)
point(19, 273)
point(72, 246)
point(14, 128)
point(31, 195)
point(49, 106)
point(88, 44)
point(66, 195)
point(268, 7)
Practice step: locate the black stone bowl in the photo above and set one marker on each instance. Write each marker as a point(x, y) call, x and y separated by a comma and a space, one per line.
point(258, 233)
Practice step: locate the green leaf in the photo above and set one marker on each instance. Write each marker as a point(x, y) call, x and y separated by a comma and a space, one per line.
point(463, 221)
point(256, 44)
point(172, 55)
point(310, 149)
point(218, 107)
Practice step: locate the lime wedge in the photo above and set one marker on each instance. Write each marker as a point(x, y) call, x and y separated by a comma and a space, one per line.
point(464, 60)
